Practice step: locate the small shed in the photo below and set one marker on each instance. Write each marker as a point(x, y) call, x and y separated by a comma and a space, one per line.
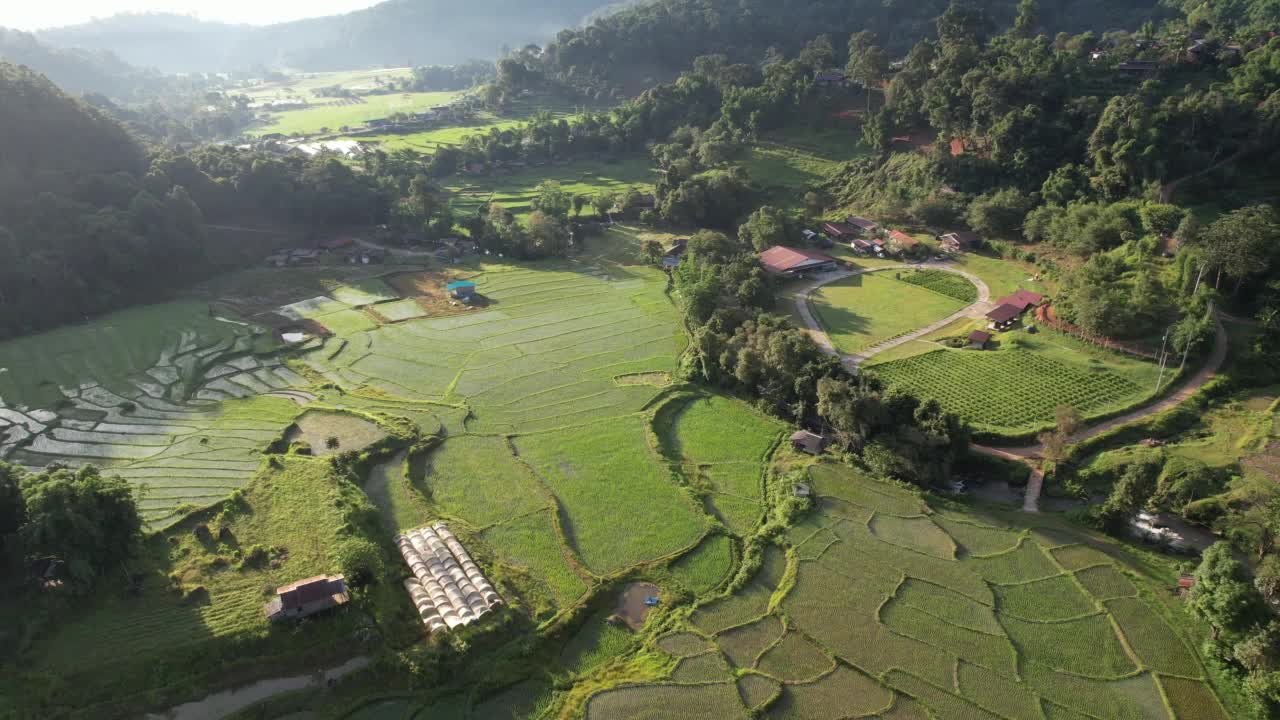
point(811, 443)
point(979, 339)
point(336, 244)
point(802, 490)
point(464, 290)
point(1004, 317)
point(307, 597)
point(1185, 584)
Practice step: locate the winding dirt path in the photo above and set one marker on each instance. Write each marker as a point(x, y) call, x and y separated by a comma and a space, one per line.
point(1031, 454)
point(852, 362)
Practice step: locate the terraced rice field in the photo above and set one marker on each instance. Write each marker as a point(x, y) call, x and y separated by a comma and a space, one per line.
point(516, 191)
point(165, 396)
point(900, 611)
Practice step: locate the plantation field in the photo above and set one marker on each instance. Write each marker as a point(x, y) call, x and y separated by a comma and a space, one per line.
point(952, 285)
point(516, 191)
point(882, 621)
point(1016, 391)
point(342, 112)
point(865, 310)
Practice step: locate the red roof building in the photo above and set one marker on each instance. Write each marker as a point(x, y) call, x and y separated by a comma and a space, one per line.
point(978, 339)
point(1004, 316)
point(785, 260)
point(1024, 300)
point(307, 597)
point(902, 241)
point(863, 224)
point(337, 243)
point(840, 231)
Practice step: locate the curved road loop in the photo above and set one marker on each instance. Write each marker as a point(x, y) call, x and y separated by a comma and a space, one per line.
point(1028, 454)
point(804, 295)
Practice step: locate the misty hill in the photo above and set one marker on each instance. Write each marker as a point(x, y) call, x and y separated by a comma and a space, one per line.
point(52, 141)
point(397, 32)
point(76, 70)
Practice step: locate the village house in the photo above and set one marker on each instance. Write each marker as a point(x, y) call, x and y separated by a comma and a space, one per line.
point(1004, 317)
point(307, 597)
point(674, 255)
point(1139, 68)
point(864, 225)
point(901, 242)
point(978, 340)
point(1024, 300)
point(463, 290)
point(841, 232)
point(791, 261)
point(808, 442)
point(960, 241)
point(831, 78)
point(336, 244)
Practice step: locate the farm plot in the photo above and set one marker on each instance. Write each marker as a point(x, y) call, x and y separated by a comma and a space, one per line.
point(165, 396)
point(1010, 391)
point(865, 310)
point(952, 285)
point(516, 191)
point(930, 626)
point(335, 114)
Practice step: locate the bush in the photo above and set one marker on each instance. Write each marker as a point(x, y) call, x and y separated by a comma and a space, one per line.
point(360, 560)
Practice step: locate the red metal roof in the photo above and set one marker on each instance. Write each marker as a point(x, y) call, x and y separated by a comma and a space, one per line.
point(784, 259)
point(306, 591)
point(1023, 299)
point(903, 239)
point(1005, 313)
point(980, 337)
point(839, 229)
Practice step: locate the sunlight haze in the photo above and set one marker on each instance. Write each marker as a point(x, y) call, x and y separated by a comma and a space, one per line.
point(37, 16)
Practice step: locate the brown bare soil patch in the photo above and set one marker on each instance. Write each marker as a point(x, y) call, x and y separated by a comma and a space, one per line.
point(1266, 462)
point(631, 607)
point(427, 288)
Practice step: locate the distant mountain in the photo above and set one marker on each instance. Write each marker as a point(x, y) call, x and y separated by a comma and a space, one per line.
point(74, 70)
point(393, 33)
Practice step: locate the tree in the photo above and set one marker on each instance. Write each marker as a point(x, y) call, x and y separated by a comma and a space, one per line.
point(999, 214)
point(652, 251)
point(548, 234)
point(1222, 595)
point(13, 512)
point(603, 202)
point(1243, 243)
point(1067, 422)
point(552, 199)
point(1131, 492)
point(868, 63)
point(580, 202)
point(1028, 19)
point(765, 228)
point(87, 519)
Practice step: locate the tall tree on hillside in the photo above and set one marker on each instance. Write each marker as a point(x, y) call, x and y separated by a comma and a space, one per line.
point(88, 520)
point(1223, 596)
point(13, 509)
point(1243, 243)
point(1024, 26)
point(868, 63)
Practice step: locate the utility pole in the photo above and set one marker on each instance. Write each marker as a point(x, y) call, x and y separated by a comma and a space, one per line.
point(1163, 358)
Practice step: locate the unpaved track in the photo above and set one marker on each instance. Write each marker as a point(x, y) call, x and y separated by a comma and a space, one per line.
point(1029, 454)
point(819, 335)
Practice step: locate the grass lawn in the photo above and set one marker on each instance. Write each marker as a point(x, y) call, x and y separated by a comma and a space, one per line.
point(304, 85)
point(338, 112)
point(865, 310)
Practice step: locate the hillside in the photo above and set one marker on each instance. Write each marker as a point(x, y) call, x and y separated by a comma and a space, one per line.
point(52, 140)
point(73, 69)
point(393, 33)
point(659, 39)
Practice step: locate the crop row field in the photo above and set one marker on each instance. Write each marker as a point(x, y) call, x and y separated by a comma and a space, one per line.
point(952, 285)
point(1010, 391)
point(901, 610)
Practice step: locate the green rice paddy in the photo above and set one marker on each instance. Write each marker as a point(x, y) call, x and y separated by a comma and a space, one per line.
point(337, 113)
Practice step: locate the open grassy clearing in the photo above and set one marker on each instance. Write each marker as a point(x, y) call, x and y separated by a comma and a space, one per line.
point(338, 112)
point(865, 310)
point(704, 569)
